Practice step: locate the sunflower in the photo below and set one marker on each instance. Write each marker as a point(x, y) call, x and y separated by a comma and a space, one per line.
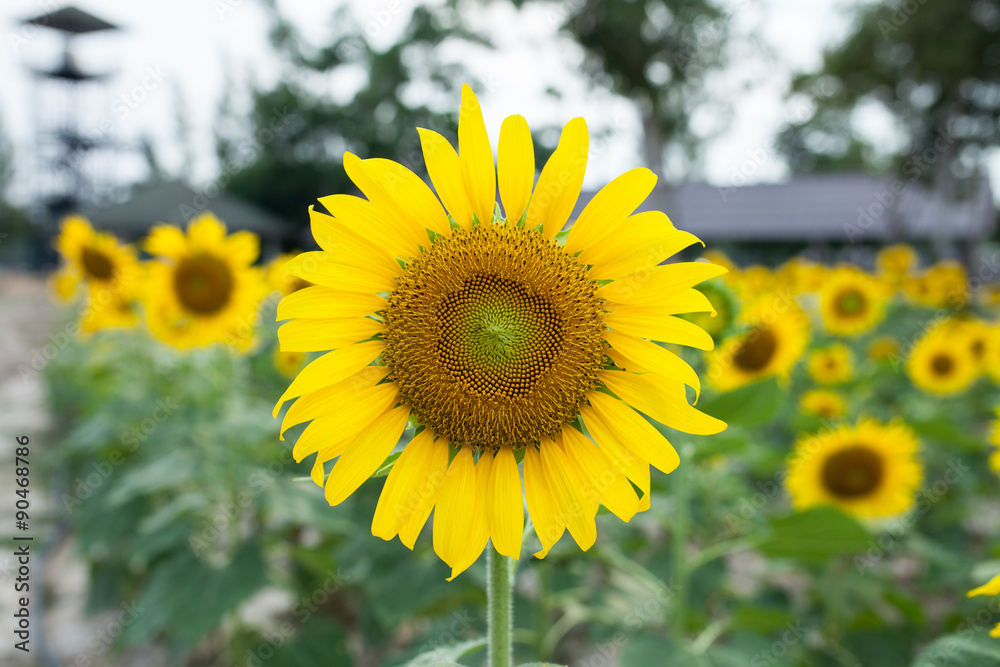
point(107, 269)
point(993, 437)
point(497, 337)
point(943, 285)
point(831, 365)
point(883, 348)
point(976, 335)
point(941, 362)
point(896, 262)
point(203, 288)
point(851, 301)
point(801, 276)
point(823, 403)
point(991, 358)
point(991, 587)
point(870, 470)
point(288, 362)
point(777, 334)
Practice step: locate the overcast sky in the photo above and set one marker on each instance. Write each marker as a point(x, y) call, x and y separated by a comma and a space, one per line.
point(178, 54)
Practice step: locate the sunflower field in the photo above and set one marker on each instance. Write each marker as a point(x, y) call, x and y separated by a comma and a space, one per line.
point(598, 442)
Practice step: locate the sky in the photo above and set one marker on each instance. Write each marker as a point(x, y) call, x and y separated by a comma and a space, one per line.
point(179, 55)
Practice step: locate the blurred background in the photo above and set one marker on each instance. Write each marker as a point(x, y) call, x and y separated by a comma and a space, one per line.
point(823, 131)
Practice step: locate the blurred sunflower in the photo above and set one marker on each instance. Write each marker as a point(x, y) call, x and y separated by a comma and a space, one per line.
point(883, 348)
point(941, 362)
point(288, 362)
point(993, 437)
point(823, 403)
point(946, 285)
point(107, 269)
point(896, 262)
point(851, 301)
point(976, 335)
point(494, 338)
point(280, 280)
point(831, 365)
point(991, 587)
point(869, 470)
point(770, 347)
point(203, 287)
point(801, 275)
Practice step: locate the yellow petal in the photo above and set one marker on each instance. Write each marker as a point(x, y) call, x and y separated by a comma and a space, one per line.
point(402, 486)
point(541, 502)
point(559, 184)
point(571, 506)
point(327, 303)
point(652, 286)
point(365, 454)
point(243, 247)
point(409, 195)
point(609, 208)
point(315, 335)
point(643, 241)
point(661, 398)
point(369, 223)
point(688, 301)
point(515, 167)
point(65, 283)
point(476, 157)
point(647, 323)
point(649, 356)
point(425, 494)
point(166, 241)
point(991, 587)
point(318, 472)
point(331, 368)
point(322, 269)
point(345, 246)
point(351, 403)
point(206, 232)
point(617, 421)
point(505, 504)
point(446, 175)
point(602, 479)
point(479, 531)
point(382, 204)
point(624, 459)
point(455, 506)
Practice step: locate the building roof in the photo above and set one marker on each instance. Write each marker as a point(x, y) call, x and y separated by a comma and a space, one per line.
point(847, 208)
point(176, 202)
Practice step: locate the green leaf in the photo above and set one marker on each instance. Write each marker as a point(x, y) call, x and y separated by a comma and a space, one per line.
point(386, 466)
point(752, 405)
point(446, 656)
point(540, 664)
point(961, 651)
point(815, 535)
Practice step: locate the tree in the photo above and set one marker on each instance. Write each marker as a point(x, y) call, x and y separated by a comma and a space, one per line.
point(293, 152)
point(934, 65)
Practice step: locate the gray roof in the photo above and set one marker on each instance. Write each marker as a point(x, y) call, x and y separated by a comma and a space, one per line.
point(176, 202)
point(848, 208)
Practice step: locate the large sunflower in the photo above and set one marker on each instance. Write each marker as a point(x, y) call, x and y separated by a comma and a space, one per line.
point(203, 288)
point(498, 337)
point(869, 470)
point(941, 361)
point(106, 268)
point(777, 334)
point(851, 301)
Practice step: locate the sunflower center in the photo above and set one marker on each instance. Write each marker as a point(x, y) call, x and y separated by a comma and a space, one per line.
point(978, 348)
point(851, 302)
point(203, 284)
point(494, 336)
point(497, 337)
point(853, 472)
point(942, 364)
point(757, 349)
point(96, 264)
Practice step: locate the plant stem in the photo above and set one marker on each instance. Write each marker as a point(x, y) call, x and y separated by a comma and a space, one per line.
point(682, 500)
point(499, 608)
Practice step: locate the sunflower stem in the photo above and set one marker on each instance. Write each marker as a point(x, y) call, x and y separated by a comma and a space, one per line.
point(682, 500)
point(499, 608)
